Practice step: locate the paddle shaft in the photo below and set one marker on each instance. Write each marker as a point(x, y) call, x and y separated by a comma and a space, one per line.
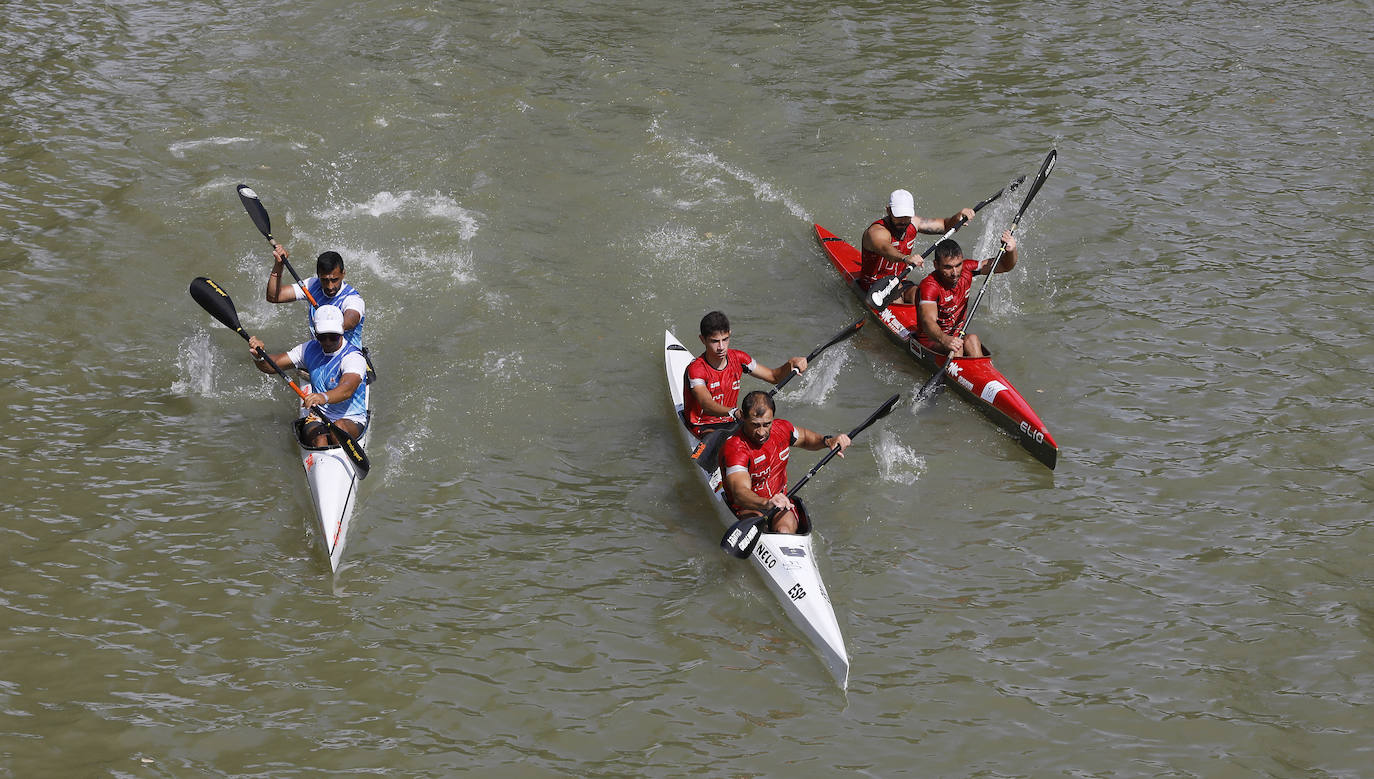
point(1044, 173)
point(892, 291)
point(844, 334)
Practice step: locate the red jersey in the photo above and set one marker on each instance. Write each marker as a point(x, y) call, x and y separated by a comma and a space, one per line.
point(875, 266)
point(766, 464)
point(952, 303)
point(723, 385)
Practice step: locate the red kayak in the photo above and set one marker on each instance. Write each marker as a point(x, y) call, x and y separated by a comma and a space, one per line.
point(974, 378)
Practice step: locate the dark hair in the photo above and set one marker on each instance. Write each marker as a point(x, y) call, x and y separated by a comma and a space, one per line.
point(946, 249)
point(327, 262)
point(753, 401)
point(714, 322)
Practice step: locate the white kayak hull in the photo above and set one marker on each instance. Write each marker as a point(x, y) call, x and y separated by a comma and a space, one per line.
point(787, 562)
point(333, 481)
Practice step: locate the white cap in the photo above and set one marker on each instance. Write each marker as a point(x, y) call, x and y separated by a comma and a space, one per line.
point(328, 319)
point(900, 203)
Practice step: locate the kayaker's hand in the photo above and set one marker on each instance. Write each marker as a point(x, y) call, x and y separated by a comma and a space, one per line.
point(956, 346)
point(780, 501)
point(280, 254)
point(316, 399)
point(840, 442)
point(798, 364)
point(254, 345)
point(1009, 240)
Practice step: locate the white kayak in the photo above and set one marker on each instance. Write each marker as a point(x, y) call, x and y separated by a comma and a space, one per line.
point(786, 561)
point(333, 482)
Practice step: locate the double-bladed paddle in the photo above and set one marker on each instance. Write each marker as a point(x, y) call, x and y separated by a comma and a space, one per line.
point(218, 304)
point(743, 536)
point(258, 213)
point(882, 297)
point(934, 383)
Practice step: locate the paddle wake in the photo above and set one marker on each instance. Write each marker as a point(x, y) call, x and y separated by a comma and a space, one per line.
point(814, 386)
point(897, 463)
point(195, 367)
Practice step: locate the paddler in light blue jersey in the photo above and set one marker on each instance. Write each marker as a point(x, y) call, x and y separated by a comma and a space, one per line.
point(336, 368)
point(328, 288)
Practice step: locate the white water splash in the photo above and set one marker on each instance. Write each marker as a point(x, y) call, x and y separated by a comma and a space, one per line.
point(460, 264)
point(814, 387)
point(408, 439)
point(385, 203)
point(195, 367)
point(501, 368)
point(897, 463)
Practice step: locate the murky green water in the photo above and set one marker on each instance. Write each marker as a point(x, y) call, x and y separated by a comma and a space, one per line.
point(528, 195)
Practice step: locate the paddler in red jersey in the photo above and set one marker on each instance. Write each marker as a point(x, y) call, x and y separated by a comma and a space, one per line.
point(943, 297)
point(712, 379)
point(753, 461)
point(887, 243)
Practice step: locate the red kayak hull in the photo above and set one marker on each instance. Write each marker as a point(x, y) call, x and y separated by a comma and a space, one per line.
point(974, 378)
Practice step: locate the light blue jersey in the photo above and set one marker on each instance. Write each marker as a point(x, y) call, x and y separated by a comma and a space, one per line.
point(325, 372)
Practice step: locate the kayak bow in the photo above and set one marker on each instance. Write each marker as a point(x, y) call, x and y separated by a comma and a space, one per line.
point(333, 482)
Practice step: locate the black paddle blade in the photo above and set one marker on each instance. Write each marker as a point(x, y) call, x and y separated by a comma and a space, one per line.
point(883, 410)
point(216, 303)
point(882, 295)
point(933, 385)
point(844, 334)
point(743, 536)
point(255, 210)
point(353, 449)
point(1045, 168)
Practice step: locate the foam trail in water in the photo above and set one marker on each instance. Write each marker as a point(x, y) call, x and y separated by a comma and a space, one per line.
point(385, 203)
point(697, 156)
point(180, 148)
point(676, 251)
point(430, 218)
